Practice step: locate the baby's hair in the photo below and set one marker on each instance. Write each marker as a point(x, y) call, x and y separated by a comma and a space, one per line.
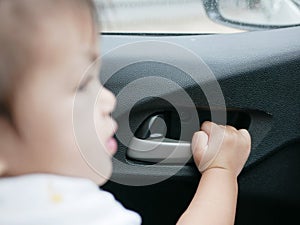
point(21, 29)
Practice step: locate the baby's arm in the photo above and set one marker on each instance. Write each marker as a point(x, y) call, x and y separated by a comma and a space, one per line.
point(215, 200)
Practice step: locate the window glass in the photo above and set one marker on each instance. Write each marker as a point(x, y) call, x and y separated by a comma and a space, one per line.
point(195, 16)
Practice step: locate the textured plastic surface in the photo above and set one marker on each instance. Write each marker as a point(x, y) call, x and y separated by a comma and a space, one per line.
point(257, 71)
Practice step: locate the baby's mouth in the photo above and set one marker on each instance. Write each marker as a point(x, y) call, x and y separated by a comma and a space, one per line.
point(112, 145)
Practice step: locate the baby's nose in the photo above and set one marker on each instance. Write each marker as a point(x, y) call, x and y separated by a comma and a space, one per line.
point(107, 101)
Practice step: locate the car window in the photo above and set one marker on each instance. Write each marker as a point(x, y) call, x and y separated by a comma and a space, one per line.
point(196, 16)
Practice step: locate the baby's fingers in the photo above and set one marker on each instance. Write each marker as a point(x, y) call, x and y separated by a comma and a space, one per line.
point(199, 146)
point(246, 135)
point(247, 139)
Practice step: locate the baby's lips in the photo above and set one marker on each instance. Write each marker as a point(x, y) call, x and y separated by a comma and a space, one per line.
point(112, 146)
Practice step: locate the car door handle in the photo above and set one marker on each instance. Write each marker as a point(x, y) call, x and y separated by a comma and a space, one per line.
point(160, 149)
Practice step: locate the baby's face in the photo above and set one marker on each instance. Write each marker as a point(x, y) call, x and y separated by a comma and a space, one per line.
point(54, 107)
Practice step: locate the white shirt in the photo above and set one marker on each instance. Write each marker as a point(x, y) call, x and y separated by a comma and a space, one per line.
point(56, 200)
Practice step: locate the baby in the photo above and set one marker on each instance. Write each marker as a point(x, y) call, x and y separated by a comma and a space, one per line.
point(46, 47)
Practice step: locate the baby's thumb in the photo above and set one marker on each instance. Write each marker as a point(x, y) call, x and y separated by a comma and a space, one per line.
point(199, 146)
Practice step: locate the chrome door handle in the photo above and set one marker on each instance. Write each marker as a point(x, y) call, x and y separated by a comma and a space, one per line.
point(160, 149)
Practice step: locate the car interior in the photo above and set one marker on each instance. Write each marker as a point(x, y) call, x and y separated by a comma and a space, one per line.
point(258, 74)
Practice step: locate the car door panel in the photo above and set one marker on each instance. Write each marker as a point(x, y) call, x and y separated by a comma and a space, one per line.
point(258, 73)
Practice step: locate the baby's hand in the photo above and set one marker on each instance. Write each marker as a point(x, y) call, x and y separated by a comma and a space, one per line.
point(223, 147)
